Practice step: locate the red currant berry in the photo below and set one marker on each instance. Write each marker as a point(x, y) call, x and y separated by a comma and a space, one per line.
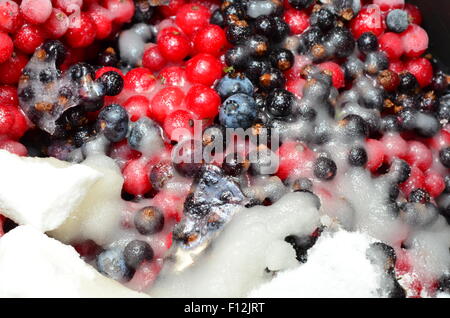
point(172, 8)
point(179, 125)
point(192, 17)
point(419, 155)
point(20, 125)
point(8, 95)
point(121, 11)
point(135, 175)
point(369, 19)
point(203, 101)
point(165, 102)
point(28, 38)
point(415, 16)
point(203, 69)
point(6, 47)
point(36, 11)
point(416, 180)
point(394, 146)
point(422, 69)
point(153, 60)
point(58, 23)
point(375, 154)
point(397, 66)
point(174, 46)
point(386, 5)
point(211, 39)
point(6, 119)
point(82, 32)
point(9, 16)
point(14, 147)
point(173, 76)
point(137, 106)
point(294, 158)
point(434, 184)
point(139, 79)
point(11, 70)
point(336, 73)
point(391, 43)
point(102, 21)
point(415, 41)
point(106, 69)
point(298, 20)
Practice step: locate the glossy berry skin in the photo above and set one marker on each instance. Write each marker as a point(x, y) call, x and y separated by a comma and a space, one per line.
point(173, 76)
point(136, 180)
point(165, 102)
point(422, 70)
point(137, 106)
point(113, 122)
point(367, 42)
point(179, 125)
point(149, 220)
point(282, 59)
point(192, 17)
point(238, 111)
point(337, 74)
point(173, 46)
point(11, 70)
point(297, 20)
point(203, 101)
point(237, 57)
point(153, 59)
point(6, 47)
point(28, 38)
point(172, 8)
point(136, 252)
point(391, 44)
point(369, 19)
point(112, 83)
point(111, 263)
point(6, 119)
point(203, 69)
point(81, 35)
point(121, 10)
point(325, 168)
point(232, 84)
point(271, 79)
point(238, 32)
point(342, 41)
point(444, 157)
point(57, 24)
point(139, 79)
point(9, 16)
point(324, 19)
point(211, 39)
point(280, 102)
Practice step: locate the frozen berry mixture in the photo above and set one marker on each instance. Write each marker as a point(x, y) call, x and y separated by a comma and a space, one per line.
point(359, 108)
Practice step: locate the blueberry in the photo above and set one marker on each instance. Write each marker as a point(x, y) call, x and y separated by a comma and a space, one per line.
point(341, 39)
point(354, 126)
point(419, 196)
point(237, 57)
point(282, 59)
point(55, 50)
point(301, 4)
point(149, 220)
point(143, 12)
point(280, 102)
point(112, 83)
point(234, 83)
point(238, 111)
point(271, 79)
point(357, 157)
point(376, 62)
point(257, 45)
point(408, 82)
point(397, 20)
point(136, 252)
point(234, 164)
point(444, 156)
point(265, 25)
point(238, 32)
point(111, 263)
point(217, 18)
point(113, 122)
point(431, 126)
point(142, 132)
point(325, 168)
point(368, 42)
point(160, 174)
point(323, 18)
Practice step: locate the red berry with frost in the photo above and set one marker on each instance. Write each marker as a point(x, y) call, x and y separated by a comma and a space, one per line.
point(6, 47)
point(419, 155)
point(415, 16)
point(68, 6)
point(102, 21)
point(153, 59)
point(336, 71)
point(122, 151)
point(295, 86)
point(165, 102)
point(391, 43)
point(375, 154)
point(174, 46)
point(20, 125)
point(8, 95)
point(422, 69)
point(416, 180)
point(387, 5)
point(397, 66)
point(395, 147)
point(28, 38)
point(203, 69)
point(81, 32)
point(11, 70)
point(137, 106)
point(173, 76)
point(297, 20)
point(415, 41)
point(6, 119)
point(294, 158)
point(179, 125)
point(9, 16)
point(192, 17)
point(203, 101)
point(14, 147)
point(136, 180)
point(211, 39)
point(36, 11)
point(434, 183)
point(139, 79)
point(121, 11)
point(369, 19)
point(57, 25)
point(172, 8)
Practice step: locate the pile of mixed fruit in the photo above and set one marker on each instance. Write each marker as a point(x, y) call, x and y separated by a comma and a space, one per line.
point(360, 107)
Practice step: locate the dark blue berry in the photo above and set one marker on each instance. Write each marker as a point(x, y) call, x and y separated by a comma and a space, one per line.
point(136, 252)
point(325, 168)
point(234, 83)
point(238, 111)
point(149, 220)
point(113, 122)
point(112, 83)
point(111, 263)
point(368, 42)
point(357, 157)
point(397, 20)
